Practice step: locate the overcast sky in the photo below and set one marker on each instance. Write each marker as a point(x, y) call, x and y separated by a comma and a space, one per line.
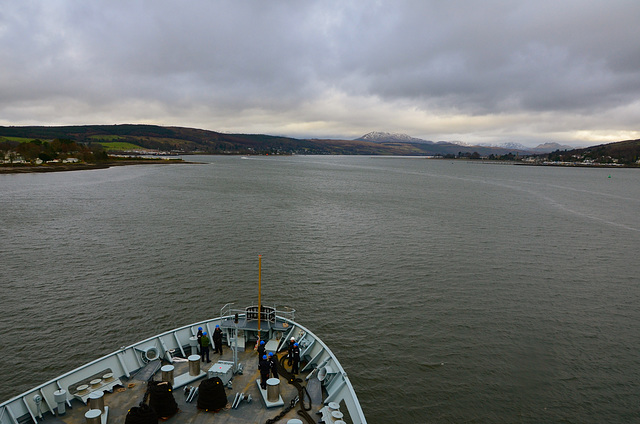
point(474, 71)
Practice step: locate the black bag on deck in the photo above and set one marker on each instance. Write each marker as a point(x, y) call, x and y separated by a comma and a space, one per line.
point(211, 395)
point(161, 398)
point(142, 414)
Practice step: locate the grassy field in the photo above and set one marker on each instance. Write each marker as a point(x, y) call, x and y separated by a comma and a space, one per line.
point(18, 139)
point(105, 137)
point(108, 145)
point(119, 145)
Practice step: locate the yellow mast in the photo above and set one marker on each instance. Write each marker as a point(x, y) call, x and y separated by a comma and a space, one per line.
point(259, 295)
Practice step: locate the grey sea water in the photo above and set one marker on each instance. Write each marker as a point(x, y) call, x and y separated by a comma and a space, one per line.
point(450, 291)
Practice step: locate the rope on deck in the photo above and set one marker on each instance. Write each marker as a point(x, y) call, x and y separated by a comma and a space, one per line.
point(302, 391)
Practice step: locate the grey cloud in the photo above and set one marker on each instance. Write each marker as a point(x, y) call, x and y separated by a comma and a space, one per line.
point(486, 54)
point(224, 57)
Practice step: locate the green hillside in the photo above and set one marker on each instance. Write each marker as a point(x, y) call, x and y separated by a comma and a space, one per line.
point(622, 152)
point(192, 140)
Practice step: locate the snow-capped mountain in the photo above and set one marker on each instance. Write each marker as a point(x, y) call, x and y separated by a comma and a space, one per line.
point(385, 137)
point(508, 145)
point(459, 143)
point(551, 147)
point(541, 148)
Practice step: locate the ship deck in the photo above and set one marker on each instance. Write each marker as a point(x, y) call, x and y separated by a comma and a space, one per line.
point(125, 377)
point(132, 392)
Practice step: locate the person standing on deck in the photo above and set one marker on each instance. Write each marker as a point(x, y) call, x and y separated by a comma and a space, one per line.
point(199, 336)
point(264, 367)
point(204, 340)
point(289, 357)
point(217, 340)
point(261, 350)
point(295, 358)
point(273, 362)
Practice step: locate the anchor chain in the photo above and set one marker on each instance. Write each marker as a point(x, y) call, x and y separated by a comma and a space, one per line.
point(284, 412)
point(299, 398)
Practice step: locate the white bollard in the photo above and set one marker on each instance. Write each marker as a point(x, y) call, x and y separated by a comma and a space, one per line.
point(60, 397)
point(93, 416)
point(96, 400)
point(194, 365)
point(167, 373)
point(273, 389)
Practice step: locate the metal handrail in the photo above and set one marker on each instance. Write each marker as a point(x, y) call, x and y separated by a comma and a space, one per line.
point(285, 313)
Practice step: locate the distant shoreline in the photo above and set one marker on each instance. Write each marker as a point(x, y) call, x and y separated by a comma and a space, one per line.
point(61, 167)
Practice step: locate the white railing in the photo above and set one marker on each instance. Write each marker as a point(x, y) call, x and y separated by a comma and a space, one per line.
point(282, 312)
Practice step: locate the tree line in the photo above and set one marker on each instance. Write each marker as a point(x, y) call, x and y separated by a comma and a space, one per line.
point(46, 151)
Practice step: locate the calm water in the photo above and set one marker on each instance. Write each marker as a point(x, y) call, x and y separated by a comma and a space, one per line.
point(450, 291)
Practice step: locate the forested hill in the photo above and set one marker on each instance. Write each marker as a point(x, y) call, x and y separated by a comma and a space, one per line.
point(191, 140)
point(624, 152)
point(156, 137)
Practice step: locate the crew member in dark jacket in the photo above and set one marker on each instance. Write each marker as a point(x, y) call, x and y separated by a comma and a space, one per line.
point(261, 350)
point(289, 357)
point(217, 340)
point(199, 336)
point(264, 367)
point(295, 358)
point(273, 362)
point(205, 346)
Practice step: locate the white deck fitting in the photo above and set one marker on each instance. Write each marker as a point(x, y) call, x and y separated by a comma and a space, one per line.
point(184, 379)
point(268, 404)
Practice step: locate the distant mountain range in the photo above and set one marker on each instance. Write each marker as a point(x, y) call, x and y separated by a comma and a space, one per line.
point(551, 147)
point(540, 148)
point(192, 140)
point(386, 137)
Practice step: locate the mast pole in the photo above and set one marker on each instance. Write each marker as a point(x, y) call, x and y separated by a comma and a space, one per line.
point(259, 296)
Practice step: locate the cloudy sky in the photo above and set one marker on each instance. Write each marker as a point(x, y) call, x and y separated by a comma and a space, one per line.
point(474, 71)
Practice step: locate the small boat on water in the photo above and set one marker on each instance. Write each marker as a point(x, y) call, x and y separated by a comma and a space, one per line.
point(120, 387)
